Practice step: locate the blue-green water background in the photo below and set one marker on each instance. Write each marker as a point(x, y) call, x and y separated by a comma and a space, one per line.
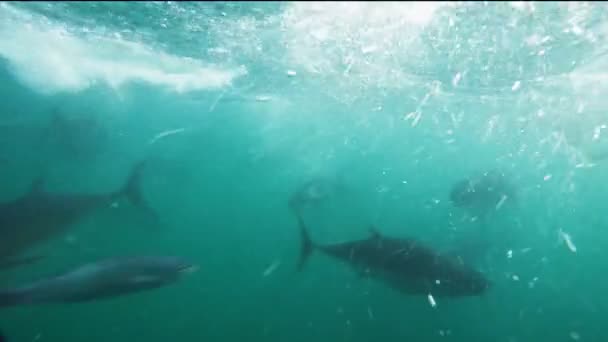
point(494, 85)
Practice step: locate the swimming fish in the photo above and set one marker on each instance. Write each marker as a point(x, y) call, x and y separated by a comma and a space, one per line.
point(104, 279)
point(404, 264)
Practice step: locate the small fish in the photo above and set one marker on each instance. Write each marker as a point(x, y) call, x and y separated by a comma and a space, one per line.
point(314, 192)
point(482, 194)
point(165, 134)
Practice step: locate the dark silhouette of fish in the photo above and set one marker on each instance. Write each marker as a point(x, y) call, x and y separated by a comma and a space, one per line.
point(39, 215)
point(404, 264)
point(314, 191)
point(483, 194)
point(105, 279)
point(482, 197)
point(78, 137)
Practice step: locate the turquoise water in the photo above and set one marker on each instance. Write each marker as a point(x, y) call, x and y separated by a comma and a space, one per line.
point(396, 100)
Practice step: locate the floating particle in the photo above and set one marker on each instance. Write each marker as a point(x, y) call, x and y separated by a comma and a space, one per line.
point(456, 79)
point(263, 98)
point(415, 116)
point(370, 313)
point(114, 205)
point(509, 254)
point(547, 177)
point(437, 281)
point(516, 86)
point(369, 49)
point(432, 301)
point(270, 269)
point(581, 108)
point(577, 30)
point(583, 165)
point(597, 131)
point(291, 73)
point(446, 332)
point(566, 238)
point(515, 277)
point(532, 283)
point(382, 189)
point(575, 336)
point(501, 202)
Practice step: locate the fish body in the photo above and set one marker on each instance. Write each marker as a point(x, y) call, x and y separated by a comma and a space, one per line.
point(108, 278)
point(404, 264)
point(40, 215)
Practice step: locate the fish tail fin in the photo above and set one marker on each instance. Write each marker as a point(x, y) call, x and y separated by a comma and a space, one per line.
point(132, 190)
point(307, 246)
point(293, 205)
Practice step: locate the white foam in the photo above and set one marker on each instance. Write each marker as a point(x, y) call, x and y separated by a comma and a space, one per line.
point(357, 44)
point(48, 58)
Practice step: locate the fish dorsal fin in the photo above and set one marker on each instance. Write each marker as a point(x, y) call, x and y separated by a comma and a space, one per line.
point(375, 233)
point(37, 186)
